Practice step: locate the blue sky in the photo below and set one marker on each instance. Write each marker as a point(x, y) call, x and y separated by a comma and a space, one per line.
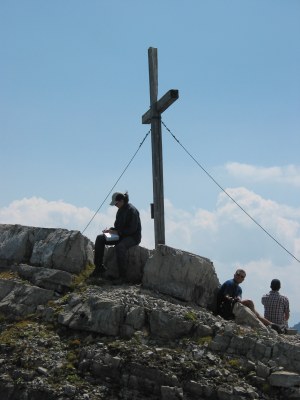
point(74, 86)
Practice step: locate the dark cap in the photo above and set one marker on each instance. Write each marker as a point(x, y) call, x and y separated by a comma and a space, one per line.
point(116, 197)
point(275, 284)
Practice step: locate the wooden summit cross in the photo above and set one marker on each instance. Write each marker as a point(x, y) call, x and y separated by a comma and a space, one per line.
point(153, 116)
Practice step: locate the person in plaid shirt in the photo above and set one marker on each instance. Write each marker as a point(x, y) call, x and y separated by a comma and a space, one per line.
point(277, 307)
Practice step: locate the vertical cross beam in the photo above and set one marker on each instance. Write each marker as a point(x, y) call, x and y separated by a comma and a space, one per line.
point(153, 116)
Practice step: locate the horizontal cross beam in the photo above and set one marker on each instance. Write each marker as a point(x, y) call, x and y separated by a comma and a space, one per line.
point(161, 105)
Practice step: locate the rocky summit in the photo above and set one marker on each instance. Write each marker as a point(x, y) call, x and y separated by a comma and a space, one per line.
point(65, 335)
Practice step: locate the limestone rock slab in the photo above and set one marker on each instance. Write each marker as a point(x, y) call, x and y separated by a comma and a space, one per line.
point(137, 257)
point(52, 279)
point(284, 379)
point(44, 247)
point(94, 315)
point(18, 299)
point(182, 275)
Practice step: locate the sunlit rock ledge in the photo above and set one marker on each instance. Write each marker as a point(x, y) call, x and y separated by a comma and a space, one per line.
point(64, 335)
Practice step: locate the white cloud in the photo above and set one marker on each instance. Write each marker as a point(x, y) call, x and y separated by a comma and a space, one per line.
point(36, 211)
point(226, 236)
point(282, 220)
point(289, 174)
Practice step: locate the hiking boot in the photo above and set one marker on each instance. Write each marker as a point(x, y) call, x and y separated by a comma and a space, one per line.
point(279, 329)
point(98, 271)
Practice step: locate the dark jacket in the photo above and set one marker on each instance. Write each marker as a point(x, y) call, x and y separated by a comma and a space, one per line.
point(128, 222)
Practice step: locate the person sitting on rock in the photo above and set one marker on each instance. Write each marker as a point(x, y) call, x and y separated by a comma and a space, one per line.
point(128, 228)
point(277, 308)
point(230, 293)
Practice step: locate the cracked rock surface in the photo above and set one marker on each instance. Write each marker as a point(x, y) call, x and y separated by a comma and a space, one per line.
point(65, 335)
point(153, 347)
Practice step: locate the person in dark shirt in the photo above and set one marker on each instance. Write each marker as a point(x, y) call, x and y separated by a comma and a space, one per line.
point(230, 293)
point(127, 226)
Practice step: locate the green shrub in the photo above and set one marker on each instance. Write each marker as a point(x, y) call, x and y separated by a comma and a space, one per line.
point(191, 316)
point(204, 340)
